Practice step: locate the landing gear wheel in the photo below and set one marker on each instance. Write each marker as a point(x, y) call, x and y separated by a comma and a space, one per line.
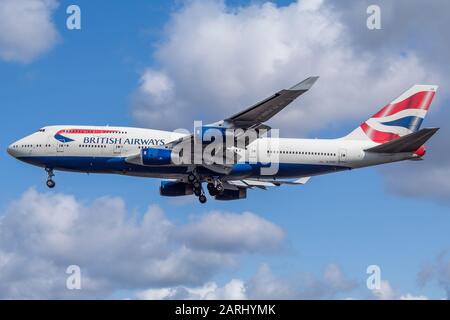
point(191, 178)
point(50, 183)
point(197, 192)
point(211, 189)
point(219, 188)
point(197, 185)
point(202, 198)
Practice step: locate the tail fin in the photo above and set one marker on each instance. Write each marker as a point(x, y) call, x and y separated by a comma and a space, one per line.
point(402, 116)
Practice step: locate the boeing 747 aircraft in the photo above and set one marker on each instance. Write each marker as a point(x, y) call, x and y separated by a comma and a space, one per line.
point(235, 154)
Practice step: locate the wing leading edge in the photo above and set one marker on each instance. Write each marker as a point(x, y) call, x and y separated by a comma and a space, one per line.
point(267, 108)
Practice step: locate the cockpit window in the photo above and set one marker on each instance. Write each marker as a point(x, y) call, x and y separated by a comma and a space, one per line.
point(41, 130)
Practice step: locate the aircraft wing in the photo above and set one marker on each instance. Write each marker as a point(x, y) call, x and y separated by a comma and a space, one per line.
point(254, 116)
point(251, 118)
point(267, 108)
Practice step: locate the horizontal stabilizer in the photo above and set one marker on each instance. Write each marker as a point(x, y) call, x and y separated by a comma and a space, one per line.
point(408, 143)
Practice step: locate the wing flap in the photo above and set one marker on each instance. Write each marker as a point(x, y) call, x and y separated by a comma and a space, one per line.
point(264, 183)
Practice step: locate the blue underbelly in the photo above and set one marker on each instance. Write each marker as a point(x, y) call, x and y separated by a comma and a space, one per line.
point(98, 165)
point(118, 165)
point(286, 170)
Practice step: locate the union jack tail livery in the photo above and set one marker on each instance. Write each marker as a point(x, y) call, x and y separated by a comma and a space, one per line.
point(402, 116)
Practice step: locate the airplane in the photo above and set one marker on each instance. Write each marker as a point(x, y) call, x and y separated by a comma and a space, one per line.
point(390, 135)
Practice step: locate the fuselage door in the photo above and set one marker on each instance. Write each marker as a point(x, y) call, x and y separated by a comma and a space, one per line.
point(117, 149)
point(32, 149)
point(342, 155)
point(60, 147)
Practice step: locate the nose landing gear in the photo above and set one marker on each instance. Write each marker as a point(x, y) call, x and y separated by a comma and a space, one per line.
point(50, 182)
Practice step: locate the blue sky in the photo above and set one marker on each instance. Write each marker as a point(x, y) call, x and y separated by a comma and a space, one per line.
point(352, 219)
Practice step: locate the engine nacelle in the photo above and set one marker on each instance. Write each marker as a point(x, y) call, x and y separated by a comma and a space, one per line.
point(241, 193)
point(175, 189)
point(156, 156)
point(207, 134)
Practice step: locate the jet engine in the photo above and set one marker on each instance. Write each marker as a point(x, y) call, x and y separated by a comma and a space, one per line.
point(156, 156)
point(175, 188)
point(208, 134)
point(227, 194)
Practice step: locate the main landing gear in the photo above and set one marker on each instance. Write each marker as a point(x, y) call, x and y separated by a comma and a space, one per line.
point(202, 198)
point(216, 188)
point(50, 182)
point(192, 177)
point(197, 187)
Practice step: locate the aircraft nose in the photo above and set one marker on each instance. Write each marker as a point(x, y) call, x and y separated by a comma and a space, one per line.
point(11, 150)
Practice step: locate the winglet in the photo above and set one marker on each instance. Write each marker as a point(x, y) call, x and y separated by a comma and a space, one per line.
point(305, 84)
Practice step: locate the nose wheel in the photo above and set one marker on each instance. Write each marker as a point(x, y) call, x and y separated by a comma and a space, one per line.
point(50, 182)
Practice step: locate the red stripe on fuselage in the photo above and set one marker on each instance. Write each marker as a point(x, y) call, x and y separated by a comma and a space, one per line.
point(419, 100)
point(378, 136)
point(86, 131)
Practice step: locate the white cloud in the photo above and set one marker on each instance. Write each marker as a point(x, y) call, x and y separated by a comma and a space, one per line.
point(219, 59)
point(263, 285)
point(409, 296)
point(26, 29)
point(438, 271)
point(336, 280)
point(330, 285)
point(156, 84)
point(41, 234)
point(233, 290)
point(231, 232)
point(385, 292)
